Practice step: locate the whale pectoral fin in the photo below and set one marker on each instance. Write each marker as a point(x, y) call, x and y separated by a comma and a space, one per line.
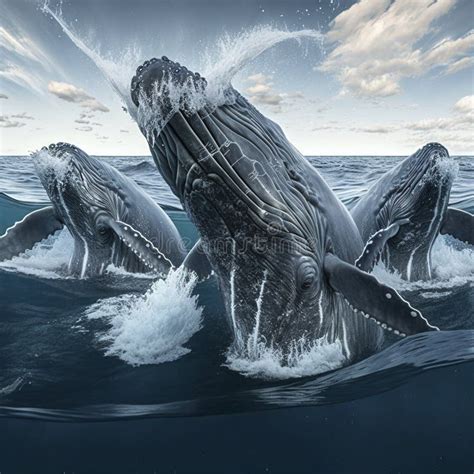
point(375, 245)
point(459, 224)
point(375, 300)
point(24, 234)
point(142, 247)
point(197, 262)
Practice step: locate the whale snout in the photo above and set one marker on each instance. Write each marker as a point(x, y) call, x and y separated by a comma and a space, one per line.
point(155, 73)
point(59, 150)
point(434, 151)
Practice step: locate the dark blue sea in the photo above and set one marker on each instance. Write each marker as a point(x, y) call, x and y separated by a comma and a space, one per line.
point(125, 374)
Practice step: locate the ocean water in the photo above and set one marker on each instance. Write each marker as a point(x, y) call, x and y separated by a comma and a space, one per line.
point(127, 374)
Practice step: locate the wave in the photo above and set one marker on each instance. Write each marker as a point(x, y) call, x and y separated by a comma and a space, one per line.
point(47, 259)
point(140, 167)
point(383, 371)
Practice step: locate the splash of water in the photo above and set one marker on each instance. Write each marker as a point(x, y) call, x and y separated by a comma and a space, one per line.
point(117, 72)
point(304, 358)
point(50, 166)
point(151, 328)
point(452, 266)
point(219, 65)
point(234, 53)
point(47, 259)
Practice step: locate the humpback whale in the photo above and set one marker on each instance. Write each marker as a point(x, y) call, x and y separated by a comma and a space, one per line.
point(401, 215)
point(280, 242)
point(109, 217)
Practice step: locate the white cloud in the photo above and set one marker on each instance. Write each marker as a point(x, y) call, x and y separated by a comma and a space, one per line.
point(22, 46)
point(376, 129)
point(7, 122)
point(71, 93)
point(263, 92)
point(23, 60)
point(3, 96)
point(23, 116)
point(85, 128)
point(459, 65)
point(19, 76)
point(377, 44)
point(465, 105)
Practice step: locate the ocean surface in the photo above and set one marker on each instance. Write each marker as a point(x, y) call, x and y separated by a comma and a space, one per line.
point(127, 374)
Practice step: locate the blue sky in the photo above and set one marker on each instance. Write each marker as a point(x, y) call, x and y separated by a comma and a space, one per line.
point(389, 77)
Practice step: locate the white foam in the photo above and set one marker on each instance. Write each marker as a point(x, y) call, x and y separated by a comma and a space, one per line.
point(15, 385)
point(120, 271)
point(47, 259)
point(151, 328)
point(233, 53)
point(452, 266)
point(304, 358)
point(49, 166)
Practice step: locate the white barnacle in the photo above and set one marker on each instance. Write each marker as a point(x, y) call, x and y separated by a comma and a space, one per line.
point(384, 326)
point(148, 245)
point(403, 334)
point(388, 296)
point(125, 228)
point(396, 331)
point(135, 235)
point(413, 313)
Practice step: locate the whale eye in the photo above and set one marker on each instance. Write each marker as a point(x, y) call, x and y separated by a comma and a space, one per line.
point(306, 276)
point(307, 283)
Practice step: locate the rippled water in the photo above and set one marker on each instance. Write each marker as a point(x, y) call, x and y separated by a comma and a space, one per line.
point(124, 346)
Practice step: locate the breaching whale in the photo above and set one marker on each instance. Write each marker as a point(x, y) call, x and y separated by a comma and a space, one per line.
point(110, 218)
point(401, 215)
point(280, 242)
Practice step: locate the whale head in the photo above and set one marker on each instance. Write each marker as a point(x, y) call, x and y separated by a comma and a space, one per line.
point(74, 182)
point(263, 226)
point(418, 193)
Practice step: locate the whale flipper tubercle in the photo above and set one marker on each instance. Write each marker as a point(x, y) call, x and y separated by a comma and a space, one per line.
point(459, 224)
point(197, 262)
point(141, 246)
point(376, 301)
point(375, 245)
point(33, 228)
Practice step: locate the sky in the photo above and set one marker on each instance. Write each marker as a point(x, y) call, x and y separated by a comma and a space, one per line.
point(390, 75)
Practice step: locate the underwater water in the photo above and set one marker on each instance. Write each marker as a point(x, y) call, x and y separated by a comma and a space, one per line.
point(149, 360)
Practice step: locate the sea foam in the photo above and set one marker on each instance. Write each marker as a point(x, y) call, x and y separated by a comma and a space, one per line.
point(151, 328)
point(304, 358)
